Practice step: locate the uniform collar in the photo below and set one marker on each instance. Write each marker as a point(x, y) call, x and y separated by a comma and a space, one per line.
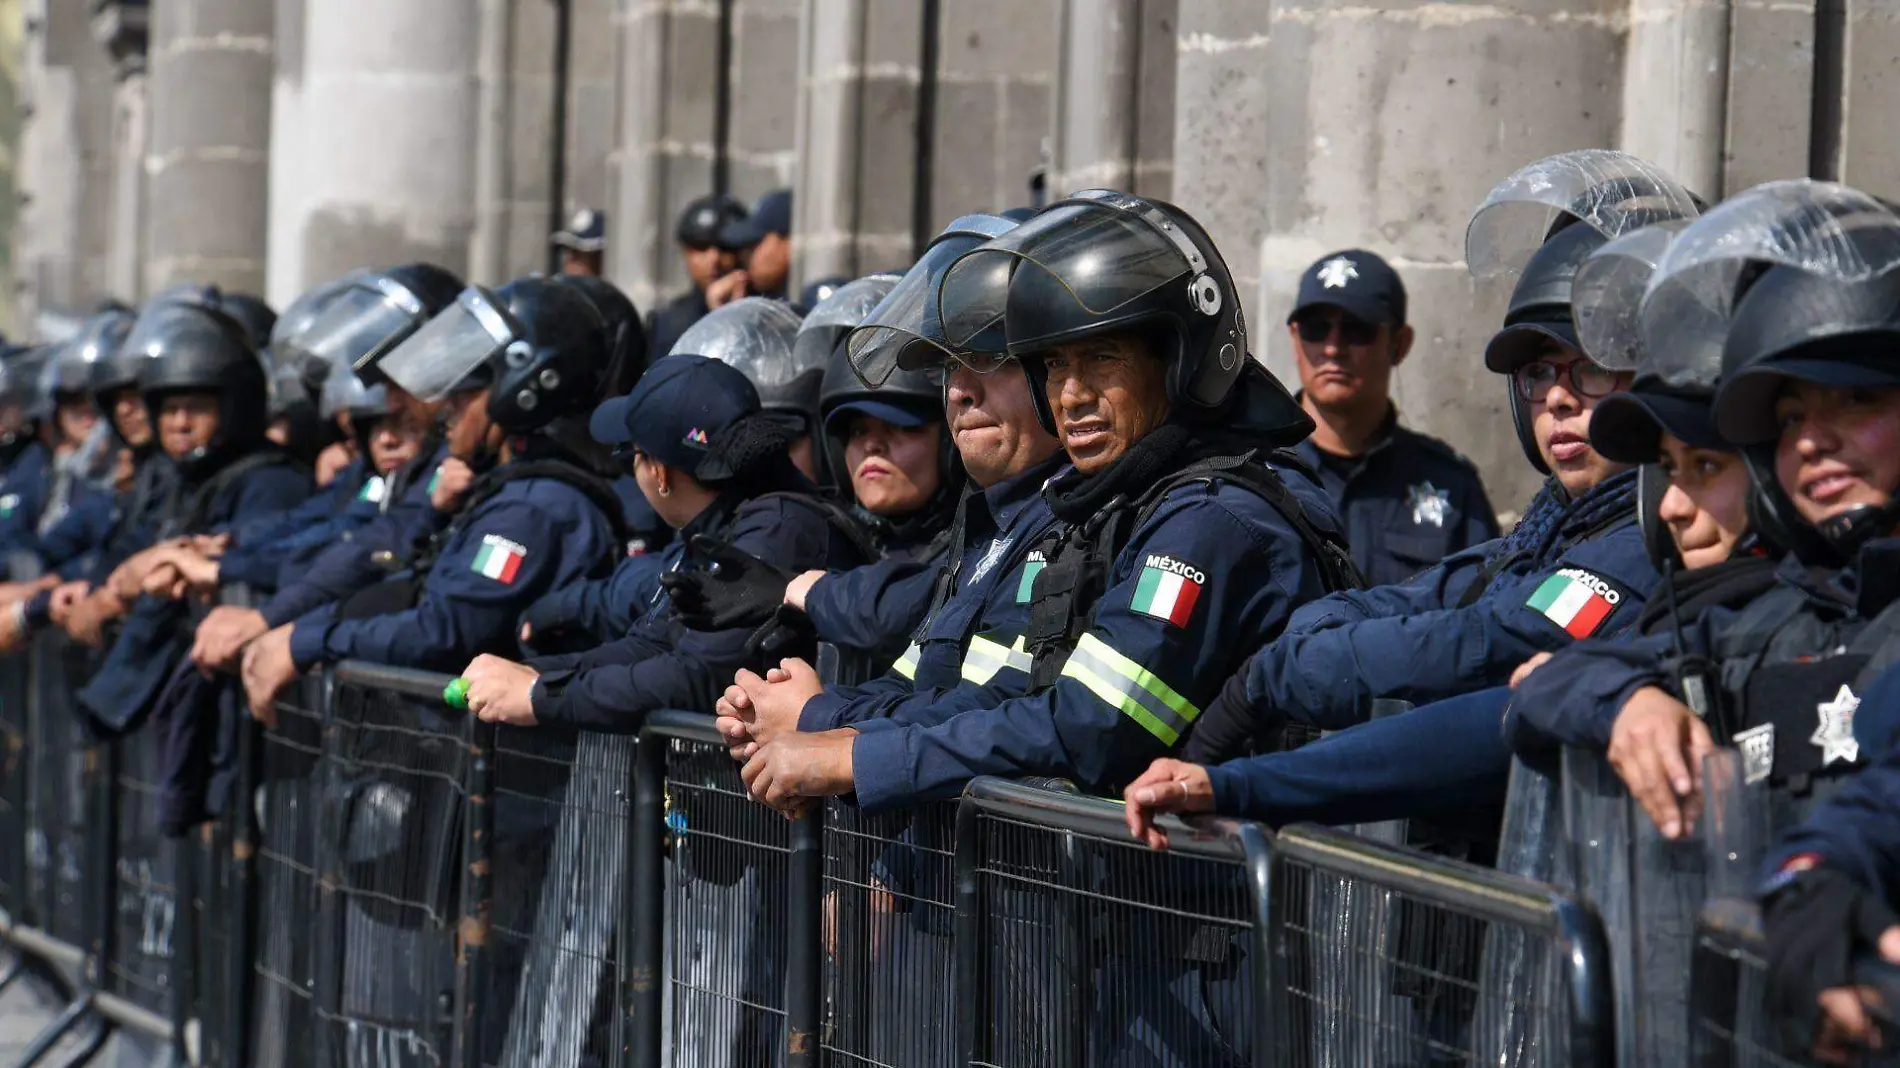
point(1350, 466)
point(1007, 499)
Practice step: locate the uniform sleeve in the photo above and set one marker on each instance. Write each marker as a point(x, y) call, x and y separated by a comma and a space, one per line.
point(509, 553)
point(874, 608)
point(1574, 698)
point(676, 667)
point(1438, 586)
point(1857, 830)
point(262, 497)
point(1157, 651)
point(1372, 771)
point(82, 530)
point(845, 706)
point(343, 568)
point(1329, 678)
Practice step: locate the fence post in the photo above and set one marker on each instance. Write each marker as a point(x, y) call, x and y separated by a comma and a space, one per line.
point(1586, 972)
point(1269, 1034)
point(471, 943)
point(804, 942)
point(973, 1001)
point(646, 972)
point(240, 965)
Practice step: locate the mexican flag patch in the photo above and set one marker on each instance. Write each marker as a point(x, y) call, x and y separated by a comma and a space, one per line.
point(1575, 600)
point(1168, 589)
point(1031, 568)
point(499, 559)
point(373, 490)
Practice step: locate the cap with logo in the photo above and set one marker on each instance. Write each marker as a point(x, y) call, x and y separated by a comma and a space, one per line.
point(1355, 281)
point(771, 215)
point(586, 232)
point(676, 411)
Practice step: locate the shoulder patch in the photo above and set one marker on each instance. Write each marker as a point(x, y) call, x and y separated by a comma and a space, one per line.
point(499, 559)
point(1577, 601)
point(1168, 589)
point(1032, 566)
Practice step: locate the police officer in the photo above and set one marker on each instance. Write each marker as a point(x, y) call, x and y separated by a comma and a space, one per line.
point(517, 368)
point(27, 482)
point(1775, 280)
point(1466, 624)
point(763, 243)
point(697, 234)
point(583, 244)
point(206, 394)
point(971, 639)
point(1408, 500)
point(712, 463)
point(1179, 535)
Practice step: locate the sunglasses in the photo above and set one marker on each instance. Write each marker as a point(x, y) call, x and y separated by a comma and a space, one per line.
point(1533, 380)
point(1316, 329)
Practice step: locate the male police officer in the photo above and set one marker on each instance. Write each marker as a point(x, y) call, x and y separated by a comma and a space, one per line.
point(1408, 500)
point(763, 241)
point(524, 363)
point(706, 260)
point(1178, 537)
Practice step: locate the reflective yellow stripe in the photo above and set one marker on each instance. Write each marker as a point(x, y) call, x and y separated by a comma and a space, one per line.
point(985, 658)
point(907, 664)
point(1137, 692)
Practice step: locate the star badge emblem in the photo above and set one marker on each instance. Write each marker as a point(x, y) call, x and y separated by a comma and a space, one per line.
point(1429, 504)
point(1336, 272)
point(1835, 734)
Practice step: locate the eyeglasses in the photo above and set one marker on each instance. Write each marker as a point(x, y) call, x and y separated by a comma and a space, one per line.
point(1316, 329)
point(982, 363)
point(1533, 380)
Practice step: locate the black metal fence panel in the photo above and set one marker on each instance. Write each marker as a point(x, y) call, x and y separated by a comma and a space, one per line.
point(391, 801)
point(727, 914)
point(145, 880)
point(562, 803)
point(285, 807)
point(888, 929)
point(62, 773)
point(15, 760)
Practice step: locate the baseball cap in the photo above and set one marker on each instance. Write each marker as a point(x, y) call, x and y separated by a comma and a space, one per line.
point(771, 215)
point(586, 232)
point(1628, 427)
point(676, 410)
point(1356, 282)
point(889, 412)
point(1523, 342)
point(1745, 407)
point(700, 223)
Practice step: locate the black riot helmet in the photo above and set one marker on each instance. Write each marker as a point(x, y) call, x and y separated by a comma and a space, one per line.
point(905, 398)
point(819, 336)
point(626, 334)
point(251, 313)
point(372, 314)
point(1796, 280)
point(20, 370)
point(1102, 262)
point(282, 354)
point(1540, 225)
point(905, 330)
point(76, 369)
point(186, 348)
point(536, 344)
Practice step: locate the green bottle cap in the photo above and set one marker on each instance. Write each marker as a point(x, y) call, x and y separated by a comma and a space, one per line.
point(455, 694)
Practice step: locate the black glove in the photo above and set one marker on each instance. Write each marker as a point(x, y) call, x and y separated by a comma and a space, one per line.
point(734, 589)
point(1816, 926)
point(1229, 728)
point(788, 634)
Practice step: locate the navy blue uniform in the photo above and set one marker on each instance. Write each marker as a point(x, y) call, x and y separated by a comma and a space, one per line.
point(587, 614)
point(530, 536)
point(1857, 830)
point(358, 560)
point(874, 608)
point(673, 319)
point(662, 664)
point(1211, 561)
point(647, 533)
point(25, 488)
point(1408, 502)
point(350, 501)
point(972, 644)
point(82, 530)
point(1588, 574)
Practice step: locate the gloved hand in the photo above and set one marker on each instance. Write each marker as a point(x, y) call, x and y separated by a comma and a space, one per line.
point(735, 589)
point(1816, 926)
point(1229, 728)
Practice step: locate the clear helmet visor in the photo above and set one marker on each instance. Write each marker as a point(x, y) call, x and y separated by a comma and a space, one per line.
point(359, 324)
point(754, 336)
point(836, 315)
point(905, 330)
point(345, 392)
point(1612, 192)
point(1825, 229)
point(1607, 296)
point(432, 362)
point(1106, 249)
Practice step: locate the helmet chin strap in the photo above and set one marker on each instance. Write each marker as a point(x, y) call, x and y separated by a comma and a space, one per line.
point(1851, 529)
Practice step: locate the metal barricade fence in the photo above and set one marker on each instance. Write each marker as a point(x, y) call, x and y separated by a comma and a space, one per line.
point(399, 803)
point(278, 888)
point(1430, 961)
point(63, 792)
point(1079, 946)
point(14, 763)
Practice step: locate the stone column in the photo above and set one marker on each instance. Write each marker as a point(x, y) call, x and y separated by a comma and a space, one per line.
point(1870, 98)
point(1382, 126)
point(1770, 91)
point(662, 159)
point(997, 74)
point(1675, 90)
point(1114, 123)
point(763, 102)
point(209, 157)
point(385, 96)
point(65, 161)
point(122, 29)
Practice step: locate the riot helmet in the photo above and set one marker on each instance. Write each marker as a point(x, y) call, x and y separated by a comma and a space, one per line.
point(20, 368)
point(754, 336)
point(1102, 262)
point(905, 330)
point(626, 334)
point(1788, 281)
point(821, 334)
point(186, 348)
point(906, 398)
point(368, 314)
point(1540, 225)
point(250, 312)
